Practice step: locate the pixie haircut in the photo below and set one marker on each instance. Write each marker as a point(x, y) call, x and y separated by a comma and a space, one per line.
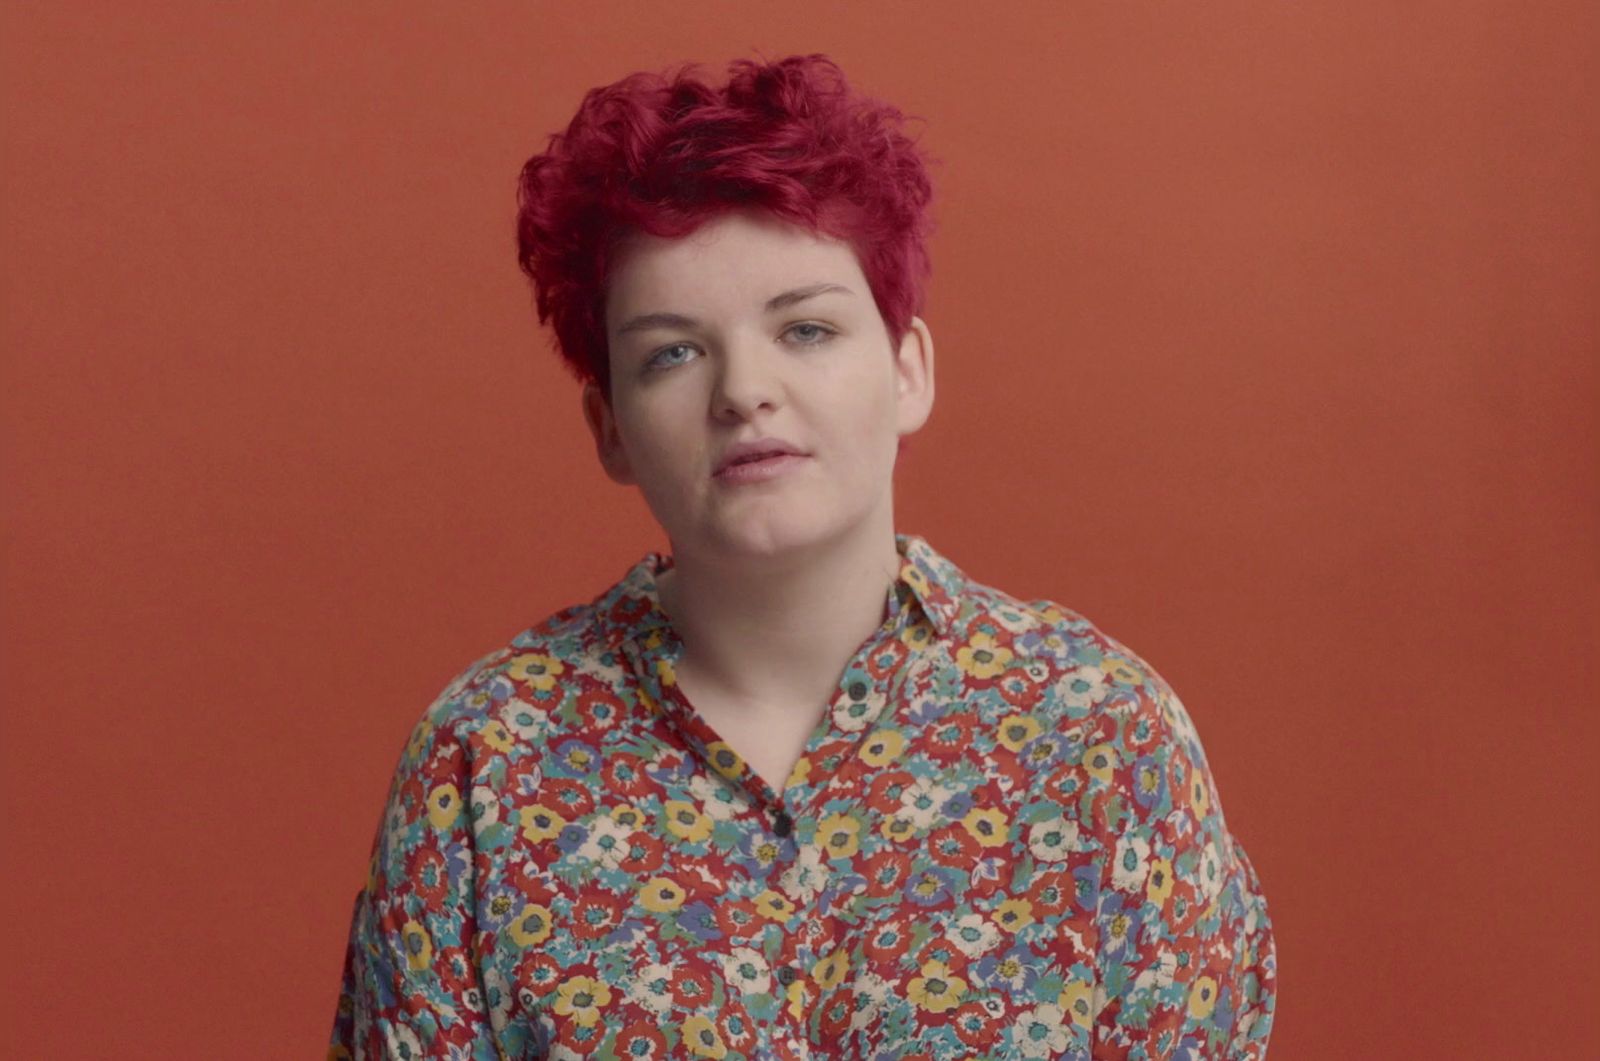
point(662, 153)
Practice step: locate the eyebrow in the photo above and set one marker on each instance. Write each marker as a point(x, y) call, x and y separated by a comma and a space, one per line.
point(646, 321)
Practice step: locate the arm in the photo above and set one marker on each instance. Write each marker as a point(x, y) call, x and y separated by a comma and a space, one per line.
point(1186, 959)
point(411, 986)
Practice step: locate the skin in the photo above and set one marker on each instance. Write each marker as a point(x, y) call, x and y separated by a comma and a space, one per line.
point(775, 585)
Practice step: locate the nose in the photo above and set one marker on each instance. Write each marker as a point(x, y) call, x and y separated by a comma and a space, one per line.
point(748, 377)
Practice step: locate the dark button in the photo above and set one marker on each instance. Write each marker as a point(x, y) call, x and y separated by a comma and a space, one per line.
point(782, 824)
point(786, 975)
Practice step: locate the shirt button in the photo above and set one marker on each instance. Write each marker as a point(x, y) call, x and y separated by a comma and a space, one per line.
point(782, 824)
point(786, 975)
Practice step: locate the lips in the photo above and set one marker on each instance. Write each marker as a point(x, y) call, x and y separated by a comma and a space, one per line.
point(754, 450)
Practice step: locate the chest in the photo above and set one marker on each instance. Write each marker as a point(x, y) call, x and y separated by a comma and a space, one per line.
point(770, 740)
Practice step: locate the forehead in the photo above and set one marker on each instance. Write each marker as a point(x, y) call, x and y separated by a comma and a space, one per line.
point(734, 261)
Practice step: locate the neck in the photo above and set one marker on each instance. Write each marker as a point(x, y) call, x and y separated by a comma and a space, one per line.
point(778, 632)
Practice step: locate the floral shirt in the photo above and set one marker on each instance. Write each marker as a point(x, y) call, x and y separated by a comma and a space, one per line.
point(1001, 841)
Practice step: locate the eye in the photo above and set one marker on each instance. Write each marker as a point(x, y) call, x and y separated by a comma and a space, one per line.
point(819, 332)
point(657, 360)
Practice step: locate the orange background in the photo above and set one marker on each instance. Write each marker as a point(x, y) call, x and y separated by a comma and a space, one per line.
point(1266, 338)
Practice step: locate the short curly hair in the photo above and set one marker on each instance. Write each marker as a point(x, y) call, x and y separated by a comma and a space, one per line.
point(663, 153)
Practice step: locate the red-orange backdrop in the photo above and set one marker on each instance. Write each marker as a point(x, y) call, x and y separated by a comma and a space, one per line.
point(1266, 339)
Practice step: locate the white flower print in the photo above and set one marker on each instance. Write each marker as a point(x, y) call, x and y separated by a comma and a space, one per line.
point(485, 807)
point(652, 988)
point(874, 990)
point(804, 877)
point(920, 802)
point(1132, 863)
point(522, 718)
point(974, 935)
point(1053, 840)
point(717, 799)
point(1040, 1032)
point(747, 970)
point(1083, 686)
point(607, 842)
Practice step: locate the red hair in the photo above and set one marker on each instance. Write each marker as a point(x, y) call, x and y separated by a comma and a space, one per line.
point(663, 154)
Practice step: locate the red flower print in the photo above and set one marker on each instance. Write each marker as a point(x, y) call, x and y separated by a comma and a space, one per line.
point(836, 1014)
point(887, 942)
point(886, 872)
point(953, 846)
point(975, 1027)
point(644, 854)
point(624, 774)
point(596, 914)
point(1052, 892)
point(692, 988)
point(737, 1030)
point(641, 1042)
point(738, 919)
point(537, 974)
point(570, 797)
point(887, 659)
point(884, 795)
point(425, 869)
point(949, 738)
point(455, 969)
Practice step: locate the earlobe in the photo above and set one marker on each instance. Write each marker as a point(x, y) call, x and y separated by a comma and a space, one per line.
point(602, 425)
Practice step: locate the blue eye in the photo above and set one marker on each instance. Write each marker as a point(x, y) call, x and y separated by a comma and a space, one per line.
point(822, 332)
point(656, 360)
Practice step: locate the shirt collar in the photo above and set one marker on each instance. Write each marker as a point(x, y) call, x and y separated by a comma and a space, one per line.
point(927, 580)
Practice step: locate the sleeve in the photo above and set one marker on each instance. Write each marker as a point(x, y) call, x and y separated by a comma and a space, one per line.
point(411, 986)
point(1186, 960)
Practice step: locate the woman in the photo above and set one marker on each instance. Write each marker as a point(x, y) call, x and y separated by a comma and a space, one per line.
point(801, 788)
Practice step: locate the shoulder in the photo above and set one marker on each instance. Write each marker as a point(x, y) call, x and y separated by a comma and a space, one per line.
point(516, 685)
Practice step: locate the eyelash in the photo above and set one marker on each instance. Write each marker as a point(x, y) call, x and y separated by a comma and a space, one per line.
point(826, 331)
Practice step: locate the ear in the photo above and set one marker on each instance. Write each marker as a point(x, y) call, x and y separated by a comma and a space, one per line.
point(607, 442)
point(914, 378)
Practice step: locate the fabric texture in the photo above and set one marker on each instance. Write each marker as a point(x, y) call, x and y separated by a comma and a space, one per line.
point(1001, 841)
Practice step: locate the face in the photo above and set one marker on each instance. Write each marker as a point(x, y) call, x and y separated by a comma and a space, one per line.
point(749, 328)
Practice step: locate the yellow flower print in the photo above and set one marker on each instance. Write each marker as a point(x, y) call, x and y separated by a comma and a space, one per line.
point(419, 739)
point(496, 736)
point(1199, 794)
point(898, 828)
point(536, 669)
point(1147, 779)
point(937, 989)
point(581, 998)
point(1159, 884)
point(1014, 914)
point(1121, 670)
point(771, 905)
point(1202, 997)
point(661, 895)
point(1017, 730)
point(1099, 761)
point(918, 635)
point(418, 947)
point(829, 972)
point(1077, 1002)
point(724, 760)
point(666, 672)
point(801, 771)
point(541, 823)
point(839, 834)
point(444, 806)
point(627, 815)
point(883, 747)
point(981, 657)
point(685, 821)
point(702, 1036)
point(532, 926)
point(797, 999)
point(987, 826)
